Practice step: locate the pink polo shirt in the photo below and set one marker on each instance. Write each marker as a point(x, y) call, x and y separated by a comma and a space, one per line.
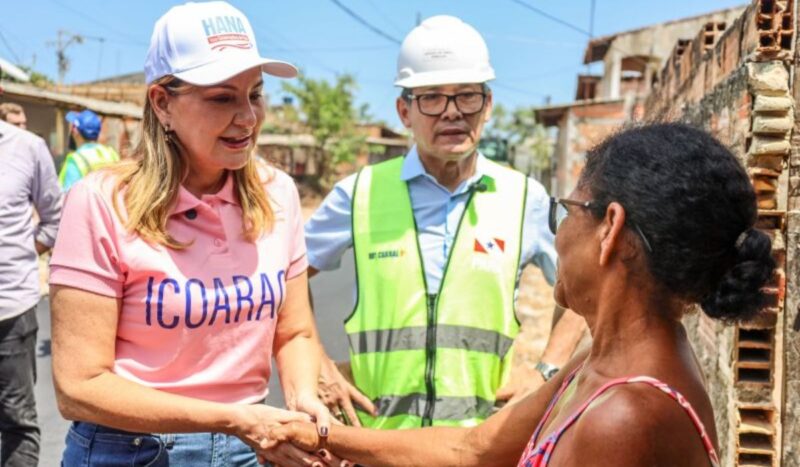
point(198, 322)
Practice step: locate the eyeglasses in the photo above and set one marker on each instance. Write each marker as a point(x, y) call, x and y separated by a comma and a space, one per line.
point(559, 212)
point(434, 104)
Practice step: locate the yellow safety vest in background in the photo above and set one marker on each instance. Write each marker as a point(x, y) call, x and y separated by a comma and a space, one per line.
point(433, 359)
point(89, 157)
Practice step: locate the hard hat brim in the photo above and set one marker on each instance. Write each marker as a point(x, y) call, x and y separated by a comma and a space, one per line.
point(440, 78)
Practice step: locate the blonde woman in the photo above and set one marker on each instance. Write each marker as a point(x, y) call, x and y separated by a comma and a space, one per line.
point(178, 276)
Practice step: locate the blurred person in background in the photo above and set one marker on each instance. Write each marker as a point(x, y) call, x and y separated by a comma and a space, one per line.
point(88, 155)
point(27, 181)
point(14, 114)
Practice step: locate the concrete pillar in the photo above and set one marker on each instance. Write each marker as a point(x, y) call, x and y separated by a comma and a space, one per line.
point(613, 74)
point(562, 154)
point(60, 131)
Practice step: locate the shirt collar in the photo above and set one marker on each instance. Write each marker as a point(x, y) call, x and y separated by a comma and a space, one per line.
point(187, 201)
point(413, 168)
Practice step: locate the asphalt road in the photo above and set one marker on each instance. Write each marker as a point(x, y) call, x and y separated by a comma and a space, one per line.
point(333, 300)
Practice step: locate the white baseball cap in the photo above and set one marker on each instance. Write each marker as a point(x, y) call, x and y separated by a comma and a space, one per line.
point(205, 44)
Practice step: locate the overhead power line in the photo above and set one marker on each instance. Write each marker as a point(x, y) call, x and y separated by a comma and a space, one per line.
point(8, 46)
point(551, 17)
point(102, 24)
point(65, 39)
point(365, 23)
point(385, 17)
point(589, 34)
point(310, 56)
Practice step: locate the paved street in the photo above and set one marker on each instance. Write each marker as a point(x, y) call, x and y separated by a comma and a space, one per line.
point(52, 425)
point(333, 296)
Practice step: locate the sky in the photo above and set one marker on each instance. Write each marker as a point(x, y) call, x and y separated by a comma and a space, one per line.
point(536, 56)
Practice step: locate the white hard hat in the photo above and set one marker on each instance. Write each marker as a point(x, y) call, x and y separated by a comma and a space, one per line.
point(443, 50)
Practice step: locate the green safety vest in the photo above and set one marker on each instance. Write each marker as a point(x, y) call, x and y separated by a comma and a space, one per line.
point(90, 157)
point(433, 359)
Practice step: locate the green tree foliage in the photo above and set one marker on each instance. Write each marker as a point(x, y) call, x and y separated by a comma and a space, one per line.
point(329, 110)
point(37, 79)
point(523, 133)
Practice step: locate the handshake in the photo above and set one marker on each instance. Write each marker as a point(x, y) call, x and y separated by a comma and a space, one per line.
point(288, 438)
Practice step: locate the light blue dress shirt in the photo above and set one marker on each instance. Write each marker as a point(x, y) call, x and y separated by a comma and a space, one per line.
point(437, 212)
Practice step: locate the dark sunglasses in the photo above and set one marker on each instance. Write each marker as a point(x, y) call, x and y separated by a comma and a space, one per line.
point(559, 212)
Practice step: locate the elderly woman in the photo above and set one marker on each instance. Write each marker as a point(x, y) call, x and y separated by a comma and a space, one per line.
point(179, 275)
point(662, 219)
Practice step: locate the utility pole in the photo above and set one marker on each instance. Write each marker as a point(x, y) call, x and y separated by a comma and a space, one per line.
point(588, 72)
point(65, 39)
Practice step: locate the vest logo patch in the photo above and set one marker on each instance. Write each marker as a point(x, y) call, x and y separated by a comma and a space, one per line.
point(387, 254)
point(488, 246)
point(488, 253)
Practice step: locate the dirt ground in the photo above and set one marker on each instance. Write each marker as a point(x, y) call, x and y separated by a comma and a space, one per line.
point(535, 305)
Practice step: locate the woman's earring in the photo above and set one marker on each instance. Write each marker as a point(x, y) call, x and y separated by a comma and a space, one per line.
point(168, 133)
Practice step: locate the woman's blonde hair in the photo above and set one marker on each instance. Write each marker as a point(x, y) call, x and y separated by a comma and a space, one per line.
point(149, 182)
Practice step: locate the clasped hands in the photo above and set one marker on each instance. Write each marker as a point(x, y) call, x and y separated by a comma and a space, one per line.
point(288, 438)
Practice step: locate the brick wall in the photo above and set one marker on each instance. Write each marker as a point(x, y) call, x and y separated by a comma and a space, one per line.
point(739, 86)
point(791, 341)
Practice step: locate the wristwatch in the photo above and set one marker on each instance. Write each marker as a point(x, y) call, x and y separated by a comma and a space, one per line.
point(547, 370)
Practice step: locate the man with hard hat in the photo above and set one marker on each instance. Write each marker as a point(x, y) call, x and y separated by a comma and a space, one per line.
point(439, 239)
point(89, 155)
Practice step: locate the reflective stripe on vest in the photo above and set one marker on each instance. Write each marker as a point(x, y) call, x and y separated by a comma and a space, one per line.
point(92, 156)
point(447, 336)
point(433, 359)
point(447, 409)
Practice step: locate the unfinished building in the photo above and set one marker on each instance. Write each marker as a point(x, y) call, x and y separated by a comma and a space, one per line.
point(741, 86)
point(632, 62)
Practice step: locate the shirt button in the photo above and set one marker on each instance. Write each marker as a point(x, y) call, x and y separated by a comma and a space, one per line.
point(191, 214)
point(217, 242)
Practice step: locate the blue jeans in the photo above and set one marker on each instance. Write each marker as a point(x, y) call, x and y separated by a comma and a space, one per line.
point(90, 445)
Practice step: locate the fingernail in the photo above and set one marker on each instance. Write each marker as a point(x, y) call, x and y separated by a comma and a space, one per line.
point(323, 431)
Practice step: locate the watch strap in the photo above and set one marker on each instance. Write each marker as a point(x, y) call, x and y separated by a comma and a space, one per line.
point(547, 370)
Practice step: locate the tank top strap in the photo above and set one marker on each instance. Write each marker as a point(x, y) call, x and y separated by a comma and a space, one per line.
point(663, 387)
point(564, 385)
point(582, 408)
point(687, 407)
